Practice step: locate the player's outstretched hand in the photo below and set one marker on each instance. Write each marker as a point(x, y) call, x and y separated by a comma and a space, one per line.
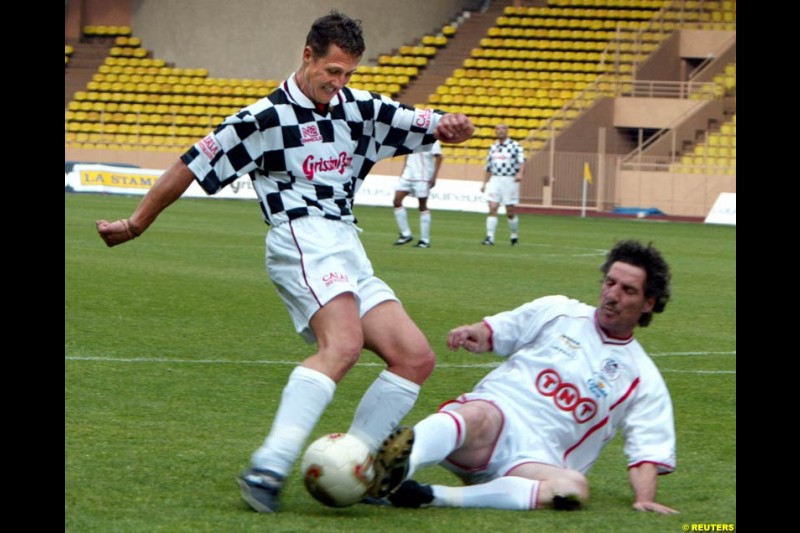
point(117, 232)
point(654, 507)
point(474, 338)
point(454, 128)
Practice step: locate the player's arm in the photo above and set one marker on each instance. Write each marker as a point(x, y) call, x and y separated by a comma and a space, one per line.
point(644, 480)
point(521, 172)
point(518, 177)
point(437, 164)
point(168, 188)
point(488, 173)
point(475, 338)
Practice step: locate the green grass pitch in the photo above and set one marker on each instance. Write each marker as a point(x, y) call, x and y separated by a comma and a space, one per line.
point(177, 348)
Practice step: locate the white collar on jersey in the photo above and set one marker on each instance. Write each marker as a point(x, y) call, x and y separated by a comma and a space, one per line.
point(299, 97)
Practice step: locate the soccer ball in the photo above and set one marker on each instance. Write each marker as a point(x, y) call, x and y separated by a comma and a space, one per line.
point(338, 469)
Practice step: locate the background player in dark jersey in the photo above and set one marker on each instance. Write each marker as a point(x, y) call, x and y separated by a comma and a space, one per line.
point(307, 147)
point(504, 165)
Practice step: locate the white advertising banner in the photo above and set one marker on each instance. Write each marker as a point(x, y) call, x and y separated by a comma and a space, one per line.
point(724, 210)
point(128, 180)
point(377, 189)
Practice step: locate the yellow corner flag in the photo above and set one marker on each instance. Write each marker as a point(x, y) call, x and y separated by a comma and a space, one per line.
point(587, 173)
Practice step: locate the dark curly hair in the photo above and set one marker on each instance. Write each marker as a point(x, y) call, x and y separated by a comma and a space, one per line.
point(339, 29)
point(648, 258)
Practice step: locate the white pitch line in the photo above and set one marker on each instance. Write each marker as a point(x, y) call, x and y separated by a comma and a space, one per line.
point(669, 354)
point(365, 364)
point(673, 371)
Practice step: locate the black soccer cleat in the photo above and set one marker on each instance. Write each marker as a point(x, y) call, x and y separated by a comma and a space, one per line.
point(403, 240)
point(412, 494)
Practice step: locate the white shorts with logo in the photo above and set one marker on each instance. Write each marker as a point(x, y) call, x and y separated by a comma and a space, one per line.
point(311, 260)
point(503, 190)
point(515, 445)
point(415, 187)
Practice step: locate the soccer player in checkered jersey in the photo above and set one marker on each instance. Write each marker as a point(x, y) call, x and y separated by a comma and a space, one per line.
point(574, 375)
point(418, 178)
point(307, 148)
point(504, 165)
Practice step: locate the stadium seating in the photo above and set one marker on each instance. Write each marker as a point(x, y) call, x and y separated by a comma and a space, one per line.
point(135, 101)
point(535, 60)
point(536, 69)
point(716, 154)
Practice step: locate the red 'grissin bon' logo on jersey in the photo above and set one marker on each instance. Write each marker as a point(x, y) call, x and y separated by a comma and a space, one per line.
point(565, 395)
point(311, 165)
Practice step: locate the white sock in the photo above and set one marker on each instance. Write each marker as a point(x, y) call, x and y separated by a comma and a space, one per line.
point(509, 493)
point(491, 227)
point(513, 225)
point(401, 217)
point(425, 226)
point(304, 399)
point(436, 437)
point(383, 406)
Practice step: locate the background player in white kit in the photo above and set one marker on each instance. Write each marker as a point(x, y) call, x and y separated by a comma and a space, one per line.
point(308, 147)
point(504, 165)
point(529, 431)
point(418, 178)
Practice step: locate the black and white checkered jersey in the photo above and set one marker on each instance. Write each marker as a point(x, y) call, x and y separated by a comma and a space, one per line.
point(305, 163)
point(505, 159)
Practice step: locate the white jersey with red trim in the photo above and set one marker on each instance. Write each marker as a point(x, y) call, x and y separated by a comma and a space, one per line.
point(421, 166)
point(569, 387)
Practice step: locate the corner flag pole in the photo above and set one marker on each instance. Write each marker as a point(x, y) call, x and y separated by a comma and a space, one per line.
point(587, 179)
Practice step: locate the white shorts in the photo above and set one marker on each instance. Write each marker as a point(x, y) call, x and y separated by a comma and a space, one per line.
point(515, 445)
point(416, 188)
point(311, 260)
point(503, 190)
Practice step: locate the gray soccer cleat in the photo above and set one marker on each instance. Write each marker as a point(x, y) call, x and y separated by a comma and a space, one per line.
point(260, 489)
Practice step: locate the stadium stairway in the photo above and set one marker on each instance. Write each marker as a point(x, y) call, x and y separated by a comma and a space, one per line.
point(85, 59)
point(470, 32)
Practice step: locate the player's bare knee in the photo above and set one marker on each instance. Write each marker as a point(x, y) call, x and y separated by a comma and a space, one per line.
point(423, 363)
point(346, 351)
point(415, 365)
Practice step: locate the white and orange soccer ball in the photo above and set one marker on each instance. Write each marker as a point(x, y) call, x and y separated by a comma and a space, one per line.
point(338, 469)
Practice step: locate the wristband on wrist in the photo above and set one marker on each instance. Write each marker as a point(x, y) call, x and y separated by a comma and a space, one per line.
point(134, 229)
point(130, 229)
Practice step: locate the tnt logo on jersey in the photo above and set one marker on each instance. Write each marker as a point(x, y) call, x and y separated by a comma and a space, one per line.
point(565, 395)
point(209, 146)
point(310, 133)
